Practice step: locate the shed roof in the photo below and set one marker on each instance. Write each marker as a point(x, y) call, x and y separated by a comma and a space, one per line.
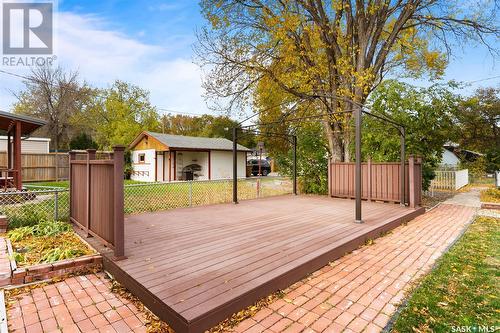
point(190, 142)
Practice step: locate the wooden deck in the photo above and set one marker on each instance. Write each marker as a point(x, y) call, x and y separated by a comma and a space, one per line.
point(194, 267)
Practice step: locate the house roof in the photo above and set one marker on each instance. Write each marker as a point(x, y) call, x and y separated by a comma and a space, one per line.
point(31, 138)
point(28, 124)
point(190, 142)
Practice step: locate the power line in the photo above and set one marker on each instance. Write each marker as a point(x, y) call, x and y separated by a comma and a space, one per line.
point(179, 112)
point(199, 115)
point(485, 79)
point(16, 75)
point(35, 80)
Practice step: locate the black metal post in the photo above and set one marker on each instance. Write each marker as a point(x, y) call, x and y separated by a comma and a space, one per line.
point(402, 179)
point(357, 180)
point(294, 140)
point(235, 165)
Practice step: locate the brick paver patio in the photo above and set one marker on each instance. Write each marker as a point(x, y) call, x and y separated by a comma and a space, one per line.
point(78, 304)
point(360, 291)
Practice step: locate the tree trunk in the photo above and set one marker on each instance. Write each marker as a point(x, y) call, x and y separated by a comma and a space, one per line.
point(347, 144)
point(334, 142)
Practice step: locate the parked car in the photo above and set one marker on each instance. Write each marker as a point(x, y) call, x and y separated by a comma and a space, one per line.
point(253, 165)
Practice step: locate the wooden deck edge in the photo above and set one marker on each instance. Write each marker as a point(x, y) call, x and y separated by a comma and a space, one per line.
point(287, 279)
point(181, 325)
point(148, 299)
point(155, 305)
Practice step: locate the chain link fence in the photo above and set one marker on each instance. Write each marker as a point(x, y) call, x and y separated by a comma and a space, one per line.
point(150, 197)
point(37, 203)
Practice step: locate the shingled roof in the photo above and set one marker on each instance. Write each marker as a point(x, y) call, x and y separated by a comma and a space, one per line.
point(191, 142)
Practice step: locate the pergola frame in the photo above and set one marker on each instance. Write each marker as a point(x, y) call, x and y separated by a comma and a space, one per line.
point(358, 117)
point(16, 128)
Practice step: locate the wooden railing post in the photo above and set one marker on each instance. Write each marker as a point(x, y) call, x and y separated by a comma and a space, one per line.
point(411, 180)
point(330, 179)
point(119, 223)
point(369, 171)
point(72, 157)
point(17, 156)
point(90, 156)
point(418, 182)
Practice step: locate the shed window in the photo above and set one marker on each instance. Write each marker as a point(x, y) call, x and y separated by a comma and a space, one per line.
point(142, 158)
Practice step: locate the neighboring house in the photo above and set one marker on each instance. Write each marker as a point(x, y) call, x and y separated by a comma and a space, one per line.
point(453, 155)
point(449, 159)
point(166, 157)
point(29, 145)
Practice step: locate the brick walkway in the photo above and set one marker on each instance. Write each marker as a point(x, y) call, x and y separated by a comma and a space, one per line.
point(78, 304)
point(360, 291)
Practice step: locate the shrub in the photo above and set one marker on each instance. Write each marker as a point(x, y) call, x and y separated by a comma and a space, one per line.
point(27, 217)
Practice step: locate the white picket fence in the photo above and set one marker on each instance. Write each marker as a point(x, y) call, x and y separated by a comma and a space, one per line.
point(448, 180)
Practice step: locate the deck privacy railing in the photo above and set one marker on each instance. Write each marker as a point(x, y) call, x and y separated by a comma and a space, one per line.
point(380, 181)
point(96, 197)
point(449, 180)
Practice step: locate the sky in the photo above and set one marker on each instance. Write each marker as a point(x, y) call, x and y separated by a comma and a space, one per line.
point(150, 44)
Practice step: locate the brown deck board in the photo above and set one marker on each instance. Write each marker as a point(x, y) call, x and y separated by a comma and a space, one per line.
point(195, 266)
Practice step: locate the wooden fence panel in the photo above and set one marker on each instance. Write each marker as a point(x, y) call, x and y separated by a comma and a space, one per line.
point(78, 191)
point(41, 167)
point(380, 181)
point(96, 189)
point(102, 201)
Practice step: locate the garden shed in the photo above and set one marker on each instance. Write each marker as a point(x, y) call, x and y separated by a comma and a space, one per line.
point(166, 157)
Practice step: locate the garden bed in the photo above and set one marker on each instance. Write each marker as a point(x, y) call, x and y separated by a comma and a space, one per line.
point(491, 195)
point(490, 198)
point(47, 250)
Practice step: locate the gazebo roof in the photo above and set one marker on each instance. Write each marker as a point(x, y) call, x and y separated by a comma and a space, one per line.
point(28, 124)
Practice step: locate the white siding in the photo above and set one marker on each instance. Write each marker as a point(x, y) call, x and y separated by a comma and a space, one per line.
point(449, 159)
point(29, 145)
point(148, 165)
point(222, 164)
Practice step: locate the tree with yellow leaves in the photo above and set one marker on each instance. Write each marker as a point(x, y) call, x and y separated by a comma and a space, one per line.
point(321, 57)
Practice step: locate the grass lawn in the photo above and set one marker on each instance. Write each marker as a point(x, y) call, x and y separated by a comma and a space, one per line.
point(65, 183)
point(150, 197)
point(490, 195)
point(464, 288)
